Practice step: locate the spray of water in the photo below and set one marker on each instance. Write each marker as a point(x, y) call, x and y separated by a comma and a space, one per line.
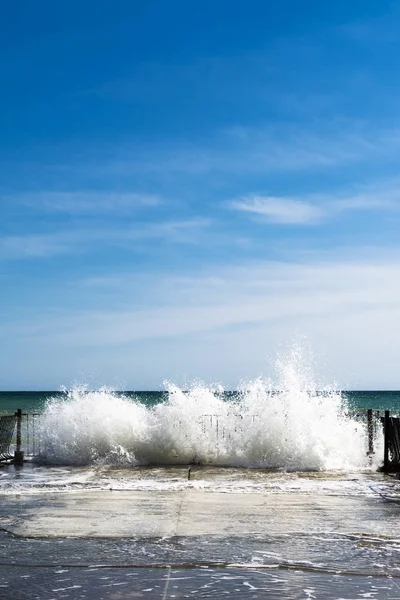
point(286, 424)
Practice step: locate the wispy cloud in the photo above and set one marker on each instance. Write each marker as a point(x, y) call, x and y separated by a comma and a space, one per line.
point(314, 208)
point(86, 202)
point(377, 195)
point(32, 245)
point(242, 310)
point(280, 210)
point(178, 231)
point(75, 241)
point(285, 147)
point(242, 151)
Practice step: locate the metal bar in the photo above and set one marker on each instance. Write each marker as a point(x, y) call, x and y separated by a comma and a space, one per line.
point(33, 436)
point(370, 432)
point(386, 446)
point(19, 426)
point(18, 454)
point(27, 434)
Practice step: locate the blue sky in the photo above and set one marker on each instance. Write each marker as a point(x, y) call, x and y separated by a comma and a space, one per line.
point(186, 186)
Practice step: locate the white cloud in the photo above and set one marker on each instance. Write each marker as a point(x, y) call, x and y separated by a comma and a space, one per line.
point(285, 147)
point(38, 245)
point(80, 240)
point(184, 231)
point(87, 202)
point(237, 315)
point(280, 210)
point(383, 196)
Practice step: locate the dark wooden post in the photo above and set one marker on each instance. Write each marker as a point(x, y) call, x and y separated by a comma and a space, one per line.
point(386, 447)
point(370, 432)
point(18, 454)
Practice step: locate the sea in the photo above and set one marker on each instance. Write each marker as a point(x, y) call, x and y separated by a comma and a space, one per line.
point(36, 401)
point(268, 491)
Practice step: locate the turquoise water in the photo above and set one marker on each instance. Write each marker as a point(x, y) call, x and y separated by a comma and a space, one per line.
point(35, 401)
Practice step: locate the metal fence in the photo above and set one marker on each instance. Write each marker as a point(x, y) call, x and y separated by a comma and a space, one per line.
point(7, 428)
point(391, 427)
point(31, 434)
point(21, 434)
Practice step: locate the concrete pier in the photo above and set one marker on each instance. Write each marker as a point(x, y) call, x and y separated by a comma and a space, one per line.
point(317, 535)
point(116, 514)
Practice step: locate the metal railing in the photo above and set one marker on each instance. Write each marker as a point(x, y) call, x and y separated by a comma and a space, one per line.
point(7, 427)
point(391, 427)
point(21, 433)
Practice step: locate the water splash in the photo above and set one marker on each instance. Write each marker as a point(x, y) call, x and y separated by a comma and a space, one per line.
point(286, 424)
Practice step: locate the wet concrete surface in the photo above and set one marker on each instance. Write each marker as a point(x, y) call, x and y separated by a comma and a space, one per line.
point(122, 544)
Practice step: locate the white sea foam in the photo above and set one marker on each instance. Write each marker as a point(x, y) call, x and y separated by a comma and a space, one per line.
point(282, 425)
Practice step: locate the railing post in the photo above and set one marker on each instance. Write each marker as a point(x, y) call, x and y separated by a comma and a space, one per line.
point(386, 446)
point(18, 454)
point(370, 432)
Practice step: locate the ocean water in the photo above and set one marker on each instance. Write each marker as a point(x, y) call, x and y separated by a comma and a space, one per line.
point(37, 400)
point(265, 492)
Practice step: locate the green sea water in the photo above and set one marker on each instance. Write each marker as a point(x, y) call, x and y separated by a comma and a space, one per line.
point(29, 401)
point(36, 401)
